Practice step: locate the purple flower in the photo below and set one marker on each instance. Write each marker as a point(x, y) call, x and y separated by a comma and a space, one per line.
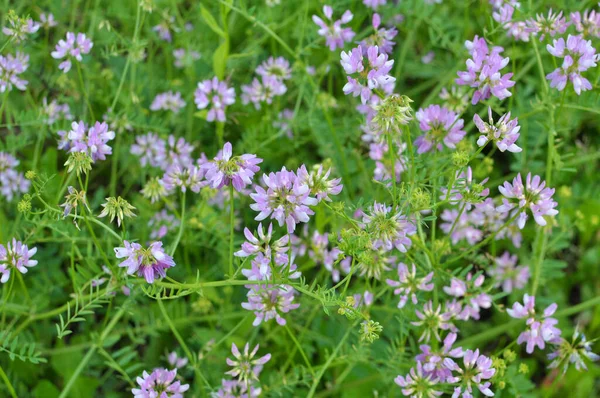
point(465, 192)
point(578, 56)
point(576, 351)
point(433, 360)
point(11, 181)
point(320, 186)
point(168, 101)
point(164, 28)
point(55, 111)
point(483, 72)
point(284, 122)
point(417, 383)
point(151, 262)
point(382, 38)
point(374, 3)
point(389, 229)
point(47, 20)
point(335, 34)
point(534, 196)
point(264, 90)
point(177, 152)
point(320, 253)
point(160, 384)
point(507, 274)
point(278, 68)
point(73, 47)
point(226, 169)
point(477, 368)
point(20, 29)
point(262, 243)
point(234, 388)
point(161, 223)
point(94, 141)
point(433, 321)
point(184, 177)
point(504, 132)
point(270, 302)
point(363, 78)
point(217, 94)
point(473, 298)
point(176, 361)
point(150, 148)
point(539, 329)
point(16, 255)
point(286, 199)
point(244, 366)
point(552, 24)
point(10, 69)
point(185, 58)
point(587, 23)
point(440, 125)
point(408, 284)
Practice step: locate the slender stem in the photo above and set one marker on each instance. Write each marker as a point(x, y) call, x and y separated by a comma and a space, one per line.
point(300, 349)
point(392, 152)
point(231, 232)
point(181, 225)
point(9, 386)
point(83, 91)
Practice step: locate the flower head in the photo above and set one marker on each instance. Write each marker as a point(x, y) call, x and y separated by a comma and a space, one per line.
point(439, 125)
point(227, 169)
point(16, 255)
point(244, 366)
point(216, 94)
point(578, 351)
point(504, 132)
point(417, 383)
point(72, 48)
point(408, 284)
point(10, 69)
point(552, 24)
point(333, 31)
point(476, 369)
point(540, 329)
point(168, 101)
point(578, 56)
point(364, 77)
point(160, 383)
point(147, 262)
point(117, 207)
point(507, 274)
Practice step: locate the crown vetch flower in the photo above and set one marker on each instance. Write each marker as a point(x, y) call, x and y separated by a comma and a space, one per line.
point(364, 78)
point(244, 366)
point(150, 148)
point(184, 177)
point(374, 3)
point(483, 72)
point(161, 223)
point(587, 23)
point(10, 69)
point(55, 111)
point(72, 48)
point(164, 28)
point(226, 169)
point(11, 181)
point(278, 68)
point(151, 262)
point(286, 199)
point(433, 359)
point(319, 184)
point(160, 383)
point(168, 101)
point(263, 90)
point(20, 28)
point(185, 58)
point(270, 302)
point(578, 56)
point(176, 361)
point(417, 383)
point(16, 255)
point(117, 207)
point(216, 94)
point(507, 274)
point(235, 388)
point(92, 141)
point(477, 368)
point(473, 298)
point(389, 229)
point(382, 38)
point(534, 196)
point(47, 20)
point(335, 34)
point(464, 191)
point(439, 125)
point(540, 329)
point(408, 284)
point(578, 351)
point(504, 132)
point(263, 244)
point(433, 321)
point(552, 24)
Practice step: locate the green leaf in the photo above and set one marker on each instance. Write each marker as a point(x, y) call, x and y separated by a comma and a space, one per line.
point(220, 59)
point(212, 22)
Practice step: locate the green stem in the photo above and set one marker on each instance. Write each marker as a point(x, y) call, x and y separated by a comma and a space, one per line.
point(11, 389)
point(312, 372)
point(181, 225)
point(83, 90)
point(231, 232)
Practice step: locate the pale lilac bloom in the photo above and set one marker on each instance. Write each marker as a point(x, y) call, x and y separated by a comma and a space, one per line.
point(270, 302)
point(477, 369)
point(11, 181)
point(408, 284)
point(55, 111)
point(382, 38)
point(417, 383)
point(151, 262)
point(439, 125)
point(365, 77)
point(389, 229)
point(319, 183)
point(465, 192)
point(433, 321)
point(71, 48)
point(577, 351)
point(578, 56)
point(540, 329)
point(216, 94)
point(161, 223)
point(184, 177)
point(168, 101)
point(587, 23)
point(227, 169)
point(262, 268)
point(47, 20)
point(286, 199)
point(261, 243)
point(93, 141)
point(553, 24)
point(428, 58)
point(374, 3)
point(19, 30)
point(320, 253)
point(16, 255)
point(235, 389)
point(244, 366)
point(335, 34)
point(176, 361)
point(164, 28)
point(464, 227)
point(363, 300)
point(507, 274)
point(534, 195)
point(473, 297)
point(483, 72)
point(263, 90)
point(284, 122)
point(161, 383)
point(150, 148)
point(279, 68)
point(504, 132)
point(433, 360)
point(10, 69)
point(177, 151)
point(184, 57)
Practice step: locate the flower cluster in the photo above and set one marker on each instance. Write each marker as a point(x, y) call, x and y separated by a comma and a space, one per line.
point(578, 56)
point(504, 132)
point(168, 101)
point(363, 77)
point(483, 72)
point(151, 262)
point(540, 330)
point(74, 47)
point(20, 28)
point(10, 69)
point(439, 125)
point(15, 255)
point(216, 94)
point(160, 383)
point(552, 24)
point(334, 33)
point(245, 369)
point(227, 169)
point(273, 72)
point(382, 38)
point(408, 284)
point(93, 141)
point(12, 182)
point(507, 274)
